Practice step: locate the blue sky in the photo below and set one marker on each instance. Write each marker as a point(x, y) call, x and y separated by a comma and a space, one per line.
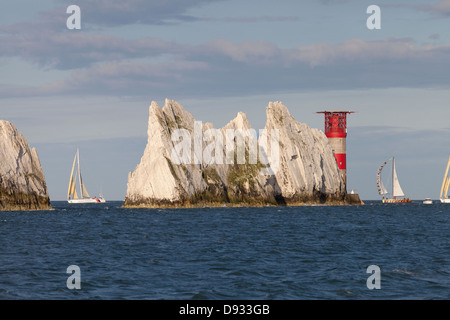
point(91, 88)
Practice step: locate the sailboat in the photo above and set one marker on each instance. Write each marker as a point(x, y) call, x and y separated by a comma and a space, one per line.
point(72, 196)
point(396, 188)
point(445, 185)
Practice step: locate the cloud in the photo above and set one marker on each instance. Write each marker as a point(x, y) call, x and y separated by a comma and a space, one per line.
point(69, 50)
point(442, 6)
point(252, 19)
point(98, 63)
point(326, 2)
point(116, 78)
point(247, 51)
point(324, 54)
point(434, 36)
point(118, 13)
point(358, 50)
point(128, 78)
point(102, 64)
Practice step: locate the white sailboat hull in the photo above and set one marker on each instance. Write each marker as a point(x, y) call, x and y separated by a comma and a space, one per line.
point(403, 200)
point(445, 200)
point(90, 200)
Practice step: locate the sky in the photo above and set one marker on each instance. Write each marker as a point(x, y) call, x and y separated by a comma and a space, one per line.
point(91, 88)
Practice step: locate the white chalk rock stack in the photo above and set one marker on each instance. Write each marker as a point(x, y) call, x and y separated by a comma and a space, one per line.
point(157, 180)
point(302, 166)
point(307, 169)
point(22, 181)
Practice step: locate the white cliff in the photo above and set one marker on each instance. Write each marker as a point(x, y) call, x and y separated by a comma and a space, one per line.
point(156, 178)
point(22, 181)
point(307, 166)
point(302, 166)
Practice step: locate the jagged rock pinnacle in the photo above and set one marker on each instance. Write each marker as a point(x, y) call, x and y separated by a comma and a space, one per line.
point(22, 181)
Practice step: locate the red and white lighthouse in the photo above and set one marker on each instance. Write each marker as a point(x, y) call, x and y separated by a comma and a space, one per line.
point(336, 132)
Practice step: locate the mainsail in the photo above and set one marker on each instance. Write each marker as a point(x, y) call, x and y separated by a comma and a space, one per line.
point(72, 192)
point(396, 189)
point(84, 192)
point(445, 183)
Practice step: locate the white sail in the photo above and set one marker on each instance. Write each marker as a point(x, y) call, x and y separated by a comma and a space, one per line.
point(445, 182)
point(72, 196)
point(396, 188)
point(381, 188)
point(71, 192)
point(71, 189)
point(84, 192)
point(447, 186)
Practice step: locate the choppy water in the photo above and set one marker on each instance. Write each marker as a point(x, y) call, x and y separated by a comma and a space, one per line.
point(281, 253)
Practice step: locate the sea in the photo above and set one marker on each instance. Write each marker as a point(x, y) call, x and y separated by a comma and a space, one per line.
point(107, 252)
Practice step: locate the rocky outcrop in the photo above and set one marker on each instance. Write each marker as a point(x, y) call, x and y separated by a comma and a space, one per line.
point(307, 167)
point(22, 181)
point(189, 163)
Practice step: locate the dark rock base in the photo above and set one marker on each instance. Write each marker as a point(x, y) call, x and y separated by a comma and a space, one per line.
point(22, 202)
point(277, 201)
